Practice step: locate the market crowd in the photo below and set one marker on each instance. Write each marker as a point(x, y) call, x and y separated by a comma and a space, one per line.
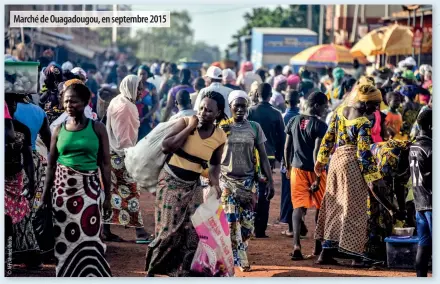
point(355, 146)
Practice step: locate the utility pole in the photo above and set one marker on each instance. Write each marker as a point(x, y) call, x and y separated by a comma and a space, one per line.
point(321, 24)
point(309, 17)
point(333, 24)
point(355, 24)
point(115, 28)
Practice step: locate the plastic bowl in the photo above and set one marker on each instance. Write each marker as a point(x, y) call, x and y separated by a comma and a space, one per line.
point(404, 231)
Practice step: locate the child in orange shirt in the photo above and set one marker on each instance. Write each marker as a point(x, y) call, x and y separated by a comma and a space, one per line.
point(393, 120)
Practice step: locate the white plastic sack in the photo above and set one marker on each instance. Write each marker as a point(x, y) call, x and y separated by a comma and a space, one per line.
point(213, 256)
point(145, 160)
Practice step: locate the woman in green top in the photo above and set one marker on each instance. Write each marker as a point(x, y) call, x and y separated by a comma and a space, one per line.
point(78, 148)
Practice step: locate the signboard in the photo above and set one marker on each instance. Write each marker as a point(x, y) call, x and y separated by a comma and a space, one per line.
point(417, 37)
point(291, 44)
point(374, 26)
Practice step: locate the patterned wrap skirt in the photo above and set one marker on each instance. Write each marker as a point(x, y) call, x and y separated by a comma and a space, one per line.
point(24, 237)
point(125, 196)
point(240, 217)
point(176, 240)
point(343, 217)
point(16, 205)
point(77, 220)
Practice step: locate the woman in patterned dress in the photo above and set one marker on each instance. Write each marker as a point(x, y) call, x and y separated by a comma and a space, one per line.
point(237, 179)
point(18, 163)
point(79, 147)
point(192, 144)
point(122, 128)
point(392, 158)
point(342, 221)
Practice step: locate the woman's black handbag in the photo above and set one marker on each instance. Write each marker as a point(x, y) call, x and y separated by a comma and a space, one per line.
point(43, 228)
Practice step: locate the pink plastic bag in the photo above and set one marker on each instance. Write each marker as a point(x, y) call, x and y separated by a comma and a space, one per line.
point(214, 252)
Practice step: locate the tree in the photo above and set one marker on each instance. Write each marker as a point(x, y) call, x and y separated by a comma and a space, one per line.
point(205, 53)
point(124, 40)
point(168, 44)
point(292, 17)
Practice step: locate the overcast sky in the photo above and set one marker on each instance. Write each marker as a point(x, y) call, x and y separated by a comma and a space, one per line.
point(214, 24)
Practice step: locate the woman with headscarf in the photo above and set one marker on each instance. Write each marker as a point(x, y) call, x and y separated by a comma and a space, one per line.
point(333, 94)
point(293, 82)
point(79, 147)
point(343, 219)
point(238, 179)
point(18, 164)
point(49, 95)
point(67, 66)
point(148, 103)
point(122, 128)
point(192, 144)
point(246, 77)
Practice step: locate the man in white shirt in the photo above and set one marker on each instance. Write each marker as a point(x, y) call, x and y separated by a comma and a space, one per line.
point(213, 78)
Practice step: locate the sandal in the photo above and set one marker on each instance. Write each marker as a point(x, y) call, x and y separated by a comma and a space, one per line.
point(362, 264)
point(296, 255)
point(245, 269)
point(331, 261)
point(287, 233)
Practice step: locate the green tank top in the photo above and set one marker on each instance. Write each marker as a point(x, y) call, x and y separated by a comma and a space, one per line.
point(78, 149)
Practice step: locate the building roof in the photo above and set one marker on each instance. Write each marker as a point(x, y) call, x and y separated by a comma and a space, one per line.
point(285, 31)
point(404, 14)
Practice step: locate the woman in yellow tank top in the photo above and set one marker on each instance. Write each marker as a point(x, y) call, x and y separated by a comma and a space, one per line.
point(194, 143)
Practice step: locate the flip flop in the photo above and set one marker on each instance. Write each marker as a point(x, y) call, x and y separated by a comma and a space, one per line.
point(143, 241)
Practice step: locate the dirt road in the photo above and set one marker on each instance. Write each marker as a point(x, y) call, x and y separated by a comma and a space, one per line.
point(268, 257)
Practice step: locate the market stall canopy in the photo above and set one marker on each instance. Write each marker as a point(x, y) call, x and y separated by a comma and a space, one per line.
point(392, 40)
point(398, 40)
point(326, 55)
point(370, 44)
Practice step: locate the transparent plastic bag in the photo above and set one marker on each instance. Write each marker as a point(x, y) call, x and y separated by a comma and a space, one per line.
point(214, 253)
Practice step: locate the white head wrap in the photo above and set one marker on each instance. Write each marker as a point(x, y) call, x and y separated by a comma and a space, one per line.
point(79, 71)
point(129, 86)
point(67, 66)
point(286, 70)
point(237, 94)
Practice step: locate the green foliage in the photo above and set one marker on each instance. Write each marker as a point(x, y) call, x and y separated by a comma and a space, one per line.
point(293, 17)
point(173, 43)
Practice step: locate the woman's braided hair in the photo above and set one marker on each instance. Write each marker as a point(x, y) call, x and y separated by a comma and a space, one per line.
point(221, 103)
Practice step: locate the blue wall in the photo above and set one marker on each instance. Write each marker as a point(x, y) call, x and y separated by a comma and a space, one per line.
point(257, 49)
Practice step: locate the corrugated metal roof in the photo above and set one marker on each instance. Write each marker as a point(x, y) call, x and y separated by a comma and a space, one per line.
point(285, 31)
point(79, 50)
